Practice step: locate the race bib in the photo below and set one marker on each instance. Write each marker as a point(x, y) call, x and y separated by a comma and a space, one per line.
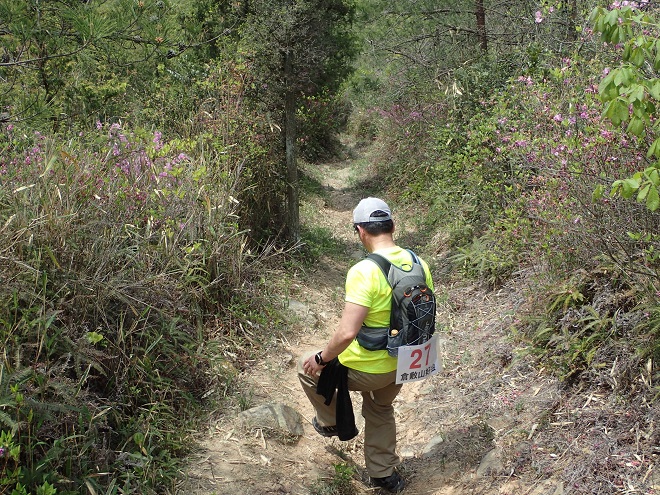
point(416, 362)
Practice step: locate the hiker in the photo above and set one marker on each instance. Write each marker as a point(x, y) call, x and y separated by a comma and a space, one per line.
point(344, 364)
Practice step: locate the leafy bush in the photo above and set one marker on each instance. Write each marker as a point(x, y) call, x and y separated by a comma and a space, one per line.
point(631, 91)
point(117, 248)
point(321, 118)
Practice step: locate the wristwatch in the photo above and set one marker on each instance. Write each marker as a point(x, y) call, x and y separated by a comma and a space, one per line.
point(319, 359)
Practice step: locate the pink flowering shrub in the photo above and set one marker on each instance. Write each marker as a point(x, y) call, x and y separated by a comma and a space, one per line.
point(559, 151)
point(146, 183)
point(117, 247)
point(522, 173)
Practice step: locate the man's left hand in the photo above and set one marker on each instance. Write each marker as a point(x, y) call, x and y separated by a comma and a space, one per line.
point(311, 368)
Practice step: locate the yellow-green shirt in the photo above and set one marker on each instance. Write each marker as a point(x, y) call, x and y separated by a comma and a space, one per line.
point(367, 286)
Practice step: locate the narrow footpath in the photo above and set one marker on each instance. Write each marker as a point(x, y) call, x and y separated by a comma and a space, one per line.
point(472, 428)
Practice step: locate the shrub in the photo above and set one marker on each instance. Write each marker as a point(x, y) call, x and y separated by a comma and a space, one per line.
point(595, 326)
point(321, 118)
point(517, 181)
point(117, 248)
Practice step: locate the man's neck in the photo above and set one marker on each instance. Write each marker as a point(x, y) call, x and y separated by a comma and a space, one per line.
point(374, 243)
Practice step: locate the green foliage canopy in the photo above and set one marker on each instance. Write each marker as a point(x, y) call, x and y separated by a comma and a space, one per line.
point(62, 61)
point(631, 91)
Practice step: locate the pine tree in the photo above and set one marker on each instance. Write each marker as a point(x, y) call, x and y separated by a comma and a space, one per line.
point(64, 60)
point(297, 49)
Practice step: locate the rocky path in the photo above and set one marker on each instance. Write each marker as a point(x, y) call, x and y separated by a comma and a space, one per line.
point(474, 428)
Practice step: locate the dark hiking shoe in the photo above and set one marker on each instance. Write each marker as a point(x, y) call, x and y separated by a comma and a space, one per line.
point(325, 431)
point(392, 483)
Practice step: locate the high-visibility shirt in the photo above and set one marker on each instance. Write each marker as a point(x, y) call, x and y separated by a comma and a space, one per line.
point(367, 286)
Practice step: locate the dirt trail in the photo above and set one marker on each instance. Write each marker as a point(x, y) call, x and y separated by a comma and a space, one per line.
point(472, 428)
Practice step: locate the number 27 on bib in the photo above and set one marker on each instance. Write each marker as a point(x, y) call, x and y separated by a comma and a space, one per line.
point(417, 362)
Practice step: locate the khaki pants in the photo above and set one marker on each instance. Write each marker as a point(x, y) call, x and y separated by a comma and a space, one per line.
point(378, 393)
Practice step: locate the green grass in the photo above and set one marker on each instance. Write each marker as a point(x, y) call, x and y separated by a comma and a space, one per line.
point(339, 484)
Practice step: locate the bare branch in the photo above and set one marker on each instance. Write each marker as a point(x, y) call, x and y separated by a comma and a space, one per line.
point(44, 59)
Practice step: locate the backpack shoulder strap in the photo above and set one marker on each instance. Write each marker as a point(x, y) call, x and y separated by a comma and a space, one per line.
point(417, 260)
point(385, 264)
point(414, 256)
point(382, 263)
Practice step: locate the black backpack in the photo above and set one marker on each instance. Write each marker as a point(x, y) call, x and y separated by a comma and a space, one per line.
point(412, 320)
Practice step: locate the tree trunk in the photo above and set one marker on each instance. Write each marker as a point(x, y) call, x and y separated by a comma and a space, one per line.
point(481, 24)
point(290, 144)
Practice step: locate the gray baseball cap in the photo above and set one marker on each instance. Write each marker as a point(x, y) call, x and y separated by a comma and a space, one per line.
point(365, 209)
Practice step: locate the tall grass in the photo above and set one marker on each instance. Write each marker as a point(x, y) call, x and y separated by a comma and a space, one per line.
point(116, 248)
